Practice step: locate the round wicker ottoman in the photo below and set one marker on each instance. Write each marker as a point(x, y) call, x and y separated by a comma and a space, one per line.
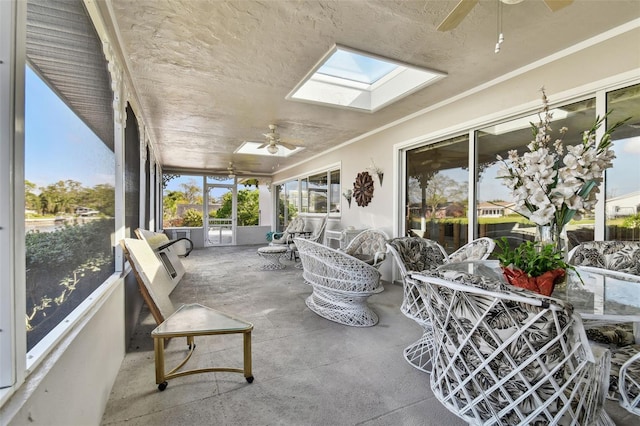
point(271, 256)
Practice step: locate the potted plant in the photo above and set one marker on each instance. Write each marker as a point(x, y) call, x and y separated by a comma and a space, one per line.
point(535, 266)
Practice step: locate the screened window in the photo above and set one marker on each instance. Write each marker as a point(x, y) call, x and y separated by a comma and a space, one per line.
point(318, 193)
point(314, 194)
point(622, 204)
point(304, 195)
point(69, 209)
point(182, 201)
point(334, 194)
point(494, 206)
point(437, 192)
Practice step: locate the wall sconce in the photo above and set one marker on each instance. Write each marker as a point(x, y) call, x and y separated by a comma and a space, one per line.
point(348, 195)
point(377, 170)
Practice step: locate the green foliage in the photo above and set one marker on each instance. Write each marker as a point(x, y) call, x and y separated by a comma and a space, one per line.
point(533, 258)
point(58, 265)
point(248, 207)
point(170, 206)
point(63, 197)
point(632, 221)
point(292, 212)
point(192, 217)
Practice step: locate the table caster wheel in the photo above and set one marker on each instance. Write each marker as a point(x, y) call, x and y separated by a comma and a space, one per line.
point(162, 386)
point(250, 379)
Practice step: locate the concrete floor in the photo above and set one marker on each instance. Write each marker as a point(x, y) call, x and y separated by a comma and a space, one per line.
point(308, 370)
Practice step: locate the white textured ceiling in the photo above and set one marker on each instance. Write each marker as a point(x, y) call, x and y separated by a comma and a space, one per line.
point(212, 74)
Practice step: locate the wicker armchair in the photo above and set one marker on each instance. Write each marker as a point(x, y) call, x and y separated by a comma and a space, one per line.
point(416, 254)
point(286, 237)
point(506, 356)
point(629, 377)
point(620, 256)
point(341, 284)
point(316, 235)
point(478, 249)
point(370, 242)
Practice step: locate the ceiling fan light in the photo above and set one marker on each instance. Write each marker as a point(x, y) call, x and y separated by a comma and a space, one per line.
point(272, 149)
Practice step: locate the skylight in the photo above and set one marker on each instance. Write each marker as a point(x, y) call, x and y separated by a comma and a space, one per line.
point(252, 148)
point(351, 79)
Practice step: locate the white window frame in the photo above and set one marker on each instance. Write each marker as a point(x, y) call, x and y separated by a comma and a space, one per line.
point(13, 340)
point(595, 90)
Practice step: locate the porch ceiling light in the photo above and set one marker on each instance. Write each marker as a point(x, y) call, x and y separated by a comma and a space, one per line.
point(347, 78)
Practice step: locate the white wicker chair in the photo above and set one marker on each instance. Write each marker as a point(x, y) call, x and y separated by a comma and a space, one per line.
point(341, 284)
point(316, 235)
point(416, 254)
point(286, 237)
point(370, 242)
point(511, 357)
point(629, 380)
point(478, 249)
point(620, 256)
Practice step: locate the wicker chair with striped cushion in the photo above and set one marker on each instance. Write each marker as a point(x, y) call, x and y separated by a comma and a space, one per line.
point(416, 254)
point(505, 355)
point(478, 249)
point(622, 257)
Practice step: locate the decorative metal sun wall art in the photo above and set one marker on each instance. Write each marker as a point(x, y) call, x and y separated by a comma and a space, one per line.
point(363, 189)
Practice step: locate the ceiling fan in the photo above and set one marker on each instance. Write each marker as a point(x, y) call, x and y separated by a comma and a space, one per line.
point(463, 8)
point(273, 140)
point(232, 172)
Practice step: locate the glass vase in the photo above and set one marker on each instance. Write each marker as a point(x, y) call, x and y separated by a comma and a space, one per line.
point(556, 235)
point(552, 234)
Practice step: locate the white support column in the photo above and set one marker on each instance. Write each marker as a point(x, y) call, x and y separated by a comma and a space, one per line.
point(153, 184)
point(472, 211)
point(600, 208)
point(143, 177)
point(119, 122)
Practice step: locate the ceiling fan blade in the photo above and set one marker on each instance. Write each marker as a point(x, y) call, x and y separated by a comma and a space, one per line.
point(555, 5)
point(456, 16)
point(287, 145)
point(264, 145)
point(273, 135)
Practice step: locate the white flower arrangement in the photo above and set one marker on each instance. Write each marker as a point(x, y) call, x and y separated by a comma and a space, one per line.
point(552, 184)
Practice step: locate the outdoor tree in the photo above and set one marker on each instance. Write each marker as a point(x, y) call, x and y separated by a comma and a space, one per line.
point(170, 204)
point(441, 189)
point(31, 200)
point(59, 197)
point(248, 207)
point(101, 198)
point(192, 192)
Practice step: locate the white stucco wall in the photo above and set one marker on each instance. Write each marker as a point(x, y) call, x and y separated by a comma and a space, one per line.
point(72, 386)
point(612, 61)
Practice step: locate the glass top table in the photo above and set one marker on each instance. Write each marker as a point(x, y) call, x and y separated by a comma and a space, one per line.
point(602, 294)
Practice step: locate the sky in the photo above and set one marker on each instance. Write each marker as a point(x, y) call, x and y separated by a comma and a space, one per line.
point(58, 145)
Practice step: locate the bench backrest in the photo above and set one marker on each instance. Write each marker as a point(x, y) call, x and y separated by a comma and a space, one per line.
point(154, 282)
